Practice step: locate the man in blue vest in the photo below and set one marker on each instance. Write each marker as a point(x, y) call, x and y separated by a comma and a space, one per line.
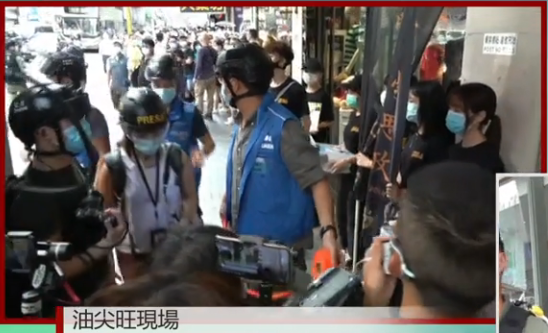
point(186, 124)
point(275, 186)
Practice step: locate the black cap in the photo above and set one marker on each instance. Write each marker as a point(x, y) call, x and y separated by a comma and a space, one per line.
point(313, 66)
point(147, 42)
point(353, 83)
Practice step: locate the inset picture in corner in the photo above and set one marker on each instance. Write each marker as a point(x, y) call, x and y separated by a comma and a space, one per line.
point(523, 253)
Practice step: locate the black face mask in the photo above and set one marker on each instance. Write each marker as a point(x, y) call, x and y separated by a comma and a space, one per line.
point(277, 65)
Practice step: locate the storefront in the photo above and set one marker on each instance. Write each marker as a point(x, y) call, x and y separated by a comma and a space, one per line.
point(454, 45)
point(523, 223)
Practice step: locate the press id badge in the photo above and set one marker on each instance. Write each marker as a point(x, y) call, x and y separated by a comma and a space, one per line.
point(157, 236)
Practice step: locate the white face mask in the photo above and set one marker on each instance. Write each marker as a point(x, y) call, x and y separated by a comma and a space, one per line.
point(310, 78)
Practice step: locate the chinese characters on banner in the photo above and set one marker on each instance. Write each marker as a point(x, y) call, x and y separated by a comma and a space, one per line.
point(208, 9)
point(379, 176)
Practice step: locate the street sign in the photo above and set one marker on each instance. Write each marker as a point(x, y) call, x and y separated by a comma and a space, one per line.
point(205, 9)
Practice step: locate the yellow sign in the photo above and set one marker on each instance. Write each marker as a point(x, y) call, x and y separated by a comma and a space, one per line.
point(151, 120)
point(205, 9)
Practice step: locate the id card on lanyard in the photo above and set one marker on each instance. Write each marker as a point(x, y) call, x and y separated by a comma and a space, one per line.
point(157, 234)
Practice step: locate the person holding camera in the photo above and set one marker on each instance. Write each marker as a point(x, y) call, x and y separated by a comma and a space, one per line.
point(50, 121)
point(275, 186)
point(68, 68)
point(443, 248)
point(515, 317)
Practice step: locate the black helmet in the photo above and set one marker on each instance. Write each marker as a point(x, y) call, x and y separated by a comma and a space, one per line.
point(63, 64)
point(76, 52)
point(142, 112)
point(45, 105)
point(161, 67)
point(249, 64)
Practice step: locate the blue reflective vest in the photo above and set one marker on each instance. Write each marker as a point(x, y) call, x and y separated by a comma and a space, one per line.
point(181, 119)
point(272, 204)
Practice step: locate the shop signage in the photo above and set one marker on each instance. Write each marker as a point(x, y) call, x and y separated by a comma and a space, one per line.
point(500, 44)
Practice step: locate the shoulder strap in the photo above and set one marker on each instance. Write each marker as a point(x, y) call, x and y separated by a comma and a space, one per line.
point(174, 161)
point(280, 94)
point(515, 320)
point(117, 171)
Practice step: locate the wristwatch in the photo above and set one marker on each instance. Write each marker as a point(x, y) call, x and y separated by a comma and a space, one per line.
point(327, 228)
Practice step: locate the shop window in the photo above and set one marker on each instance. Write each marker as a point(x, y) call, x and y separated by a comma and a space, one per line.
point(514, 230)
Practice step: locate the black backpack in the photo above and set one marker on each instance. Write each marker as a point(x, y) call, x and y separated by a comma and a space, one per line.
point(117, 168)
point(515, 320)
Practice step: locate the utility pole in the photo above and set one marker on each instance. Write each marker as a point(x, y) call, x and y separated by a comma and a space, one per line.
point(129, 24)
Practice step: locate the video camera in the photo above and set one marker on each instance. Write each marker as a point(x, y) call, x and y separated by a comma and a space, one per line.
point(336, 287)
point(24, 254)
point(38, 260)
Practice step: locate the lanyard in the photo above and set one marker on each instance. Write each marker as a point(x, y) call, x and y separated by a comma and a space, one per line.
point(153, 198)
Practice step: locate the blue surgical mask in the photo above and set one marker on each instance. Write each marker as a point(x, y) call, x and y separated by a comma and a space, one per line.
point(455, 122)
point(352, 101)
point(166, 94)
point(147, 147)
point(72, 139)
point(412, 114)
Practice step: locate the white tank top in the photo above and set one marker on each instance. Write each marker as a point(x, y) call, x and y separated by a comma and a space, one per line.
point(139, 209)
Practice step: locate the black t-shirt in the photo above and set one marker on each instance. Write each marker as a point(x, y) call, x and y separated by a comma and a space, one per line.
point(199, 128)
point(351, 136)
point(320, 102)
point(141, 80)
point(485, 154)
point(293, 98)
point(419, 152)
point(47, 214)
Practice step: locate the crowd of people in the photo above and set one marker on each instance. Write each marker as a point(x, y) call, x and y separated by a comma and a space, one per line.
point(439, 263)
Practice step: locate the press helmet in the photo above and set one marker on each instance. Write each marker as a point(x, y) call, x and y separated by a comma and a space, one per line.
point(249, 64)
point(144, 119)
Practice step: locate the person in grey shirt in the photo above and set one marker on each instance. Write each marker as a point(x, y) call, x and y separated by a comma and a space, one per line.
point(99, 131)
